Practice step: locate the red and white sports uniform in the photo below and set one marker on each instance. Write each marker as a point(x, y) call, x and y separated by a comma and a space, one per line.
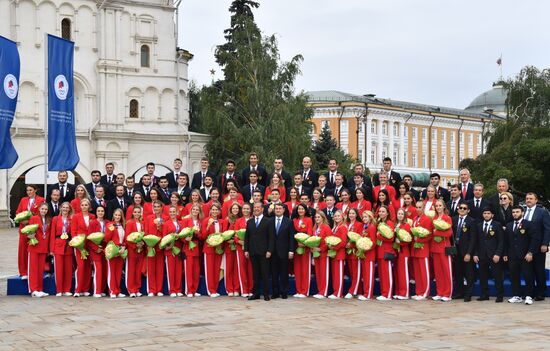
point(302, 263)
point(385, 271)
point(26, 204)
point(362, 206)
point(318, 206)
point(390, 208)
point(75, 204)
point(174, 265)
point(83, 273)
point(244, 265)
point(191, 263)
point(230, 272)
point(212, 260)
point(227, 204)
point(155, 264)
point(134, 261)
point(322, 268)
point(390, 189)
point(97, 259)
point(421, 263)
point(337, 263)
point(353, 263)
point(344, 207)
point(442, 263)
point(367, 264)
point(38, 254)
point(63, 254)
point(402, 276)
point(115, 233)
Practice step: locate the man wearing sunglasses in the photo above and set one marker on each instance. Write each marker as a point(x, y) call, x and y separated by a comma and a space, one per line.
point(464, 234)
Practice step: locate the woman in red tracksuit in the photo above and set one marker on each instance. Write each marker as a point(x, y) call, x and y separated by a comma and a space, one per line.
point(115, 232)
point(80, 193)
point(403, 254)
point(354, 265)
point(384, 200)
point(362, 203)
point(233, 199)
point(61, 251)
point(79, 225)
point(384, 247)
point(293, 200)
point(39, 252)
point(421, 254)
point(410, 210)
point(441, 262)
point(212, 260)
point(345, 202)
point(155, 264)
point(97, 256)
point(244, 265)
point(137, 202)
point(337, 263)
point(175, 200)
point(367, 263)
point(31, 202)
point(214, 198)
point(174, 268)
point(321, 263)
point(431, 198)
point(191, 263)
point(230, 273)
point(302, 263)
point(148, 209)
point(195, 199)
point(136, 254)
point(399, 201)
point(317, 200)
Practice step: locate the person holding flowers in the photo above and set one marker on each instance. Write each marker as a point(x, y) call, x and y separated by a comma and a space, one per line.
point(61, 251)
point(79, 226)
point(174, 269)
point(367, 244)
point(191, 264)
point(355, 226)
point(385, 253)
point(115, 233)
point(28, 206)
point(442, 232)
point(136, 252)
point(96, 250)
point(231, 274)
point(155, 261)
point(302, 258)
point(321, 230)
point(422, 229)
point(402, 245)
point(212, 254)
point(39, 251)
point(244, 266)
point(336, 243)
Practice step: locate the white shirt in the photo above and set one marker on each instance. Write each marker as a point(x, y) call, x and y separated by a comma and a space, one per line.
point(531, 211)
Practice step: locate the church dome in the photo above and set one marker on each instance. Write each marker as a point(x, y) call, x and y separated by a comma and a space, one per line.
point(493, 99)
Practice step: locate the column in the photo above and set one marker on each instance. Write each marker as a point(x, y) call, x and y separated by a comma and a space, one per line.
point(368, 145)
point(391, 138)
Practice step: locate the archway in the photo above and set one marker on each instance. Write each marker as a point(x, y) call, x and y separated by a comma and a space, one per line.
point(160, 170)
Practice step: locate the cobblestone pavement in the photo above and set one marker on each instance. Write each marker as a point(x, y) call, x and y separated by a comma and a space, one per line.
point(236, 324)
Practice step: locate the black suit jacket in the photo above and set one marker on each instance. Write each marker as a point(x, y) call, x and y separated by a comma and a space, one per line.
point(222, 179)
point(203, 194)
point(90, 189)
point(172, 181)
point(51, 209)
point(469, 192)
point(490, 243)
point(441, 192)
point(127, 193)
point(305, 190)
point(141, 189)
point(331, 184)
point(247, 195)
point(284, 240)
point(416, 193)
point(185, 194)
point(465, 237)
point(521, 241)
point(258, 241)
point(541, 222)
point(196, 183)
point(113, 204)
point(368, 190)
point(163, 197)
point(104, 179)
point(312, 179)
point(393, 180)
point(329, 217)
point(69, 192)
point(449, 205)
point(262, 175)
point(477, 212)
point(503, 216)
point(95, 205)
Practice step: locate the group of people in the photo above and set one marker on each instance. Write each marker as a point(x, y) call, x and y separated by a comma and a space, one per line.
point(381, 225)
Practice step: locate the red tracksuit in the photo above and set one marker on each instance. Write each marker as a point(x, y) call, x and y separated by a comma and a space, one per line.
point(442, 263)
point(97, 259)
point(174, 268)
point(37, 255)
point(322, 262)
point(367, 264)
point(363, 205)
point(390, 189)
point(390, 208)
point(227, 204)
point(230, 273)
point(212, 260)
point(75, 204)
point(402, 265)
point(83, 273)
point(354, 264)
point(181, 212)
point(63, 255)
point(136, 256)
point(191, 264)
point(115, 233)
point(155, 264)
point(385, 273)
point(337, 262)
point(244, 265)
point(23, 251)
point(302, 263)
point(343, 207)
point(421, 263)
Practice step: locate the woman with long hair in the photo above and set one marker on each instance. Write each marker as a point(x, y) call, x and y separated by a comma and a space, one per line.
point(174, 269)
point(322, 270)
point(337, 262)
point(233, 199)
point(408, 206)
point(244, 265)
point(361, 203)
point(80, 193)
point(431, 198)
point(79, 226)
point(384, 200)
point(115, 232)
point(212, 259)
point(345, 202)
point(31, 203)
point(293, 200)
point(354, 224)
point(191, 264)
point(302, 263)
point(442, 263)
point(231, 272)
point(276, 183)
point(403, 249)
point(61, 251)
point(148, 206)
point(97, 256)
point(214, 199)
point(175, 201)
point(421, 254)
point(399, 201)
point(155, 264)
point(384, 254)
point(39, 252)
point(367, 263)
point(231, 184)
point(317, 200)
point(136, 253)
point(137, 202)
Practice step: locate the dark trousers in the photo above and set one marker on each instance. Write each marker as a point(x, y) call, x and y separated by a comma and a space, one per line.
point(279, 275)
point(518, 267)
point(463, 270)
point(260, 273)
point(539, 260)
point(497, 276)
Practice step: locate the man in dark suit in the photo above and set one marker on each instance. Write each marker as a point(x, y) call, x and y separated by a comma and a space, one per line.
point(206, 188)
point(130, 188)
point(442, 193)
point(164, 190)
point(452, 204)
point(521, 243)
point(465, 238)
point(393, 177)
point(54, 204)
point(332, 172)
point(173, 176)
point(253, 165)
point(119, 201)
point(269, 208)
point(311, 178)
point(119, 180)
point(278, 168)
point(229, 173)
point(96, 181)
point(150, 168)
point(183, 188)
point(252, 185)
point(488, 253)
point(66, 189)
point(145, 187)
point(478, 203)
point(99, 199)
point(407, 178)
point(466, 187)
point(258, 247)
point(324, 187)
point(198, 178)
point(338, 187)
point(502, 187)
point(330, 209)
point(541, 222)
point(282, 230)
point(359, 170)
point(358, 182)
point(109, 177)
point(298, 184)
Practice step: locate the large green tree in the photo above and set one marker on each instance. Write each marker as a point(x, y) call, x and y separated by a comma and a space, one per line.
point(519, 147)
point(254, 107)
point(326, 148)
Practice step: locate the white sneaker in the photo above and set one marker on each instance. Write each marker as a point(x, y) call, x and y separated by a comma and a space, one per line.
point(419, 298)
point(244, 295)
point(36, 294)
point(150, 294)
point(318, 296)
point(436, 298)
point(160, 294)
point(236, 294)
point(412, 281)
point(214, 295)
point(446, 299)
point(67, 294)
point(86, 294)
point(179, 294)
point(59, 294)
point(296, 295)
point(348, 296)
point(333, 297)
point(76, 295)
point(139, 294)
point(362, 298)
point(103, 294)
point(197, 295)
point(121, 295)
point(399, 297)
point(301, 296)
point(516, 299)
point(383, 298)
point(97, 296)
point(132, 295)
point(113, 296)
point(189, 295)
point(24, 277)
point(173, 295)
point(528, 300)
point(230, 294)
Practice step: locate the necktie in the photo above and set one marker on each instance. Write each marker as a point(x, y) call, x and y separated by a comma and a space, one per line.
point(331, 178)
point(203, 177)
point(454, 206)
point(278, 225)
point(257, 222)
point(477, 203)
point(55, 208)
point(460, 223)
point(166, 192)
point(62, 190)
point(485, 227)
point(528, 214)
point(121, 203)
point(305, 175)
point(464, 188)
point(109, 179)
point(515, 225)
point(251, 189)
point(130, 192)
point(329, 212)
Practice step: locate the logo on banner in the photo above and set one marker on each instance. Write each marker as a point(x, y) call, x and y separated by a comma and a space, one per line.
point(10, 86)
point(61, 87)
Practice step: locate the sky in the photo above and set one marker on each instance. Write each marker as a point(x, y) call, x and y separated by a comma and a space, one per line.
point(424, 51)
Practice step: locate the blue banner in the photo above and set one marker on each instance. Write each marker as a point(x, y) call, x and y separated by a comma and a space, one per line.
point(62, 151)
point(9, 78)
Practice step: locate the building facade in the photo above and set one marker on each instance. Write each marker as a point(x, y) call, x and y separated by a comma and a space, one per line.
point(130, 86)
point(420, 139)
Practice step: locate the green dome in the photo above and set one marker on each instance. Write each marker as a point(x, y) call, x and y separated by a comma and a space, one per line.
point(494, 99)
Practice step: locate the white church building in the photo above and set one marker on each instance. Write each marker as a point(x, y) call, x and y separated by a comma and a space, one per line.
point(130, 87)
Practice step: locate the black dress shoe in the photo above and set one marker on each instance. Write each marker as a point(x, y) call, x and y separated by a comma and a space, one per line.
point(539, 298)
point(254, 297)
point(266, 298)
point(499, 299)
point(483, 298)
point(467, 299)
point(284, 297)
point(275, 296)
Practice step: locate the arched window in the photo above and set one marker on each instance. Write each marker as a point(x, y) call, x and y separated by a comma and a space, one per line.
point(134, 108)
point(144, 56)
point(66, 28)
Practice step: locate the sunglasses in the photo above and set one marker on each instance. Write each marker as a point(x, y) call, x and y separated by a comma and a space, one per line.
point(463, 208)
point(504, 198)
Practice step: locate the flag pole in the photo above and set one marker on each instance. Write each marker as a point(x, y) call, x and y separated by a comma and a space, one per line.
point(500, 66)
point(45, 115)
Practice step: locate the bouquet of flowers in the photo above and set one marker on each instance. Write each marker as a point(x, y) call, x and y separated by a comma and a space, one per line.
point(134, 238)
point(112, 250)
point(96, 237)
point(363, 244)
point(22, 216)
point(331, 242)
point(188, 233)
point(228, 235)
point(352, 237)
point(403, 236)
point(430, 213)
point(241, 234)
point(78, 243)
point(440, 224)
point(151, 240)
point(385, 231)
point(419, 232)
point(312, 242)
point(167, 241)
point(301, 238)
point(215, 240)
point(29, 230)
